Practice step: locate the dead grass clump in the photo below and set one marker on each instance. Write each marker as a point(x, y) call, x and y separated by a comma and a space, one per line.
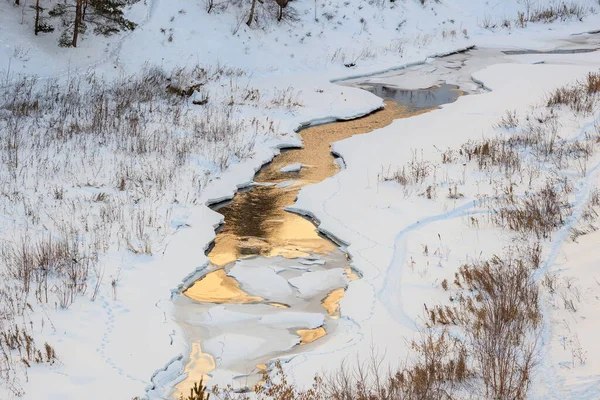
point(449, 156)
point(540, 135)
point(443, 315)
point(492, 153)
point(274, 385)
point(592, 83)
point(509, 120)
point(496, 306)
point(502, 315)
point(46, 265)
point(18, 350)
point(436, 367)
point(572, 97)
point(413, 172)
point(539, 213)
point(589, 215)
point(89, 164)
point(580, 97)
point(454, 194)
point(286, 98)
point(557, 11)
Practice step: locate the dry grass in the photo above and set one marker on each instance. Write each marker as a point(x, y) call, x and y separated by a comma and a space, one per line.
point(539, 213)
point(88, 165)
point(413, 172)
point(501, 320)
point(496, 306)
point(509, 120)
point(485, 341)
point(552, 12)
point(557, 11)
point(492, 153)
point(580, 97)
point(438, 366)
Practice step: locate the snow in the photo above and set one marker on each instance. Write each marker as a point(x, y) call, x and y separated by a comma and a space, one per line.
point(285, 184)
point(263, 282)
point(392, 227)
point(576, 352)
point(296, 167)
point(294, 320)
point(311, 283)
point(112, 348)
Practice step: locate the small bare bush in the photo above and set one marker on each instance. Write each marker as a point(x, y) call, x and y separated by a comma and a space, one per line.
point(510, 120)
point(492, 153)
point(558, 10)
point(539, 213)
point(580, 97)
point(89, 164)
point(501, 316)
point(413, 172)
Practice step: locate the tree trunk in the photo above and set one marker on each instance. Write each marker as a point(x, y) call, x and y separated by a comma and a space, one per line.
point(251, 17)
point(77, 21)
point(85, 4)
point(37, 17)
point(282, 4)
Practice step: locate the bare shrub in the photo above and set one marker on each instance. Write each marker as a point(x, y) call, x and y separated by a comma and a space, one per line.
point(437, 367)
point(18, 350)
point(286, 98)
point(579, 97)
point(559, 10)
point(492, 153)
point(488, 23)
point(510, 120)
point(589, 215)
point(413, 172)
point(88, 164)
point(454, 194)
point(501, 319)
point(449, 156)
point(45, 260)
point(539, 213)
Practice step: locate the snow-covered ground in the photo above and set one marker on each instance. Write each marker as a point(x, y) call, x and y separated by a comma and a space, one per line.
point(389, 226)
point(114, 346)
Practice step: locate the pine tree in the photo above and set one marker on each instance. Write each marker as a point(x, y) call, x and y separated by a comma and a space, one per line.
point(40, 21)
point(106, 16)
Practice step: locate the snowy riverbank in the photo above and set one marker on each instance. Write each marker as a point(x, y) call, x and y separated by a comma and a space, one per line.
point(113, 347)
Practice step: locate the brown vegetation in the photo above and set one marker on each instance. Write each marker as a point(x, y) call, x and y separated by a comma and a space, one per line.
point(87, 165)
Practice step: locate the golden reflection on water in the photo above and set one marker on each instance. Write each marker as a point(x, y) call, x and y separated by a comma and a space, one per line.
point(332, 302)
point(278, 305)
point(350, 274)
point(217, 287)
point(257, 225)
point(198, 368)
point(255, 222)
point(261, 367)
point(310, 335)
